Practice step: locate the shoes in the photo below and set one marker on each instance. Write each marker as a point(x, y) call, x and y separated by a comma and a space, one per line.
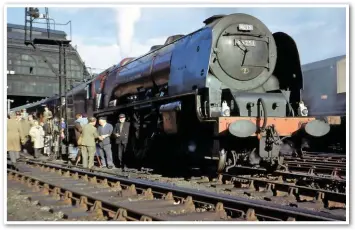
point(103, 167)
point(110, 167)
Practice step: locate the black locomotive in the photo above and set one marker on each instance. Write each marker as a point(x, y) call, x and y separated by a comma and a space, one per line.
point(224, 95)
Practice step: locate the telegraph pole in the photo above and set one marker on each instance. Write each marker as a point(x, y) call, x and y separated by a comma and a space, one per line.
point(9, 101)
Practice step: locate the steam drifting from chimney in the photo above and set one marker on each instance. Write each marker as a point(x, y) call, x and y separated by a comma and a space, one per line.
point(126, 17)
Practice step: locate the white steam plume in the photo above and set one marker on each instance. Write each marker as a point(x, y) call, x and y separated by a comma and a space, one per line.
point(126, 17)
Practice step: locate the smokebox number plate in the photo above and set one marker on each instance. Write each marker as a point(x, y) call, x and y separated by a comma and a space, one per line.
point(238, 42)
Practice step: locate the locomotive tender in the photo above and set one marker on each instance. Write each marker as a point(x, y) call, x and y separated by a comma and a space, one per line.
point(324, 93)
point(228, 92)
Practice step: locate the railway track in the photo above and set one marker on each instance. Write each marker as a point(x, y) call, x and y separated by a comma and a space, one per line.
point(309, 176)
point(318, 169)
point(103, 197)
point(330, 182)
point(318, 163)
point(275, 189)
point(318, 159)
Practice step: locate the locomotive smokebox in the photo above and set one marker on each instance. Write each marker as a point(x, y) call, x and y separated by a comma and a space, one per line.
point(244, 51)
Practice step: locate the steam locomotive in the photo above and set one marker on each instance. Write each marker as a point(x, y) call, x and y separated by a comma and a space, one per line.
point(227, 94)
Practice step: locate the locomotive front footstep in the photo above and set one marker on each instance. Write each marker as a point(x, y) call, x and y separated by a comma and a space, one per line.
point(317, 128)
point(242, 128)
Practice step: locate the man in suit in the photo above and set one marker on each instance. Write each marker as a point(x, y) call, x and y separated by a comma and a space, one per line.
point(105, 130)
point(47, 114)
point(48, 138)
point(121, 132)
point(89, 134)
point(79, 123)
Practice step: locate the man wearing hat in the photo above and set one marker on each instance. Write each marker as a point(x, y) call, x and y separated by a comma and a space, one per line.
point(105, 130)
point(47, 114)
point(18, 116)
point(88, 146)
point(121, 133)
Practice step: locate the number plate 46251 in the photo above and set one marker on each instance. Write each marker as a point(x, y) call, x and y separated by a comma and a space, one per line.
point(238, 42)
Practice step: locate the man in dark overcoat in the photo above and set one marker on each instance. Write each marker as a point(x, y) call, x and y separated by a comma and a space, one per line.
point(121, 132)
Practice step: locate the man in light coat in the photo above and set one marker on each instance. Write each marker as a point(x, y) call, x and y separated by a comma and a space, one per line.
point(79, 124)
point(15, 137)
point(89, 134)
point(37, 137)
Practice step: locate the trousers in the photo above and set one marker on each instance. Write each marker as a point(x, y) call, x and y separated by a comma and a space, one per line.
point(47, 145)
point(106, 151)
point(88, 154)
point(14, 156)
point(121, 153)
point(38, 152)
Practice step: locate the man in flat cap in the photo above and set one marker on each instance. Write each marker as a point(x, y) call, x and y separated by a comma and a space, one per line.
point(121, 133)
point(105, 131)
point(47, 114)
point(88, 144)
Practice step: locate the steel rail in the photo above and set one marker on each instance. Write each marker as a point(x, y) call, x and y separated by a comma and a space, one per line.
point(262, 209)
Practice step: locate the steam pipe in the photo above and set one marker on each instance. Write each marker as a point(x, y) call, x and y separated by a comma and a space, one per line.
point(261, 101)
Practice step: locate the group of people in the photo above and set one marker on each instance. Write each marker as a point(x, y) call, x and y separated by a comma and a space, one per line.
point(43, 137)
point(89, 137)
point(33, 136)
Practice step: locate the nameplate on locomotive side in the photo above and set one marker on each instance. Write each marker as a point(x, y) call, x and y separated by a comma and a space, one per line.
point(112, 103)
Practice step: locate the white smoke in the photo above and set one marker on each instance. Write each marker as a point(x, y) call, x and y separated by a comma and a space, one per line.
point(126, 17)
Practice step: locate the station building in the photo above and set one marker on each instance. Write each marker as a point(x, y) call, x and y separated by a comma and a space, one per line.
point(29, 78)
